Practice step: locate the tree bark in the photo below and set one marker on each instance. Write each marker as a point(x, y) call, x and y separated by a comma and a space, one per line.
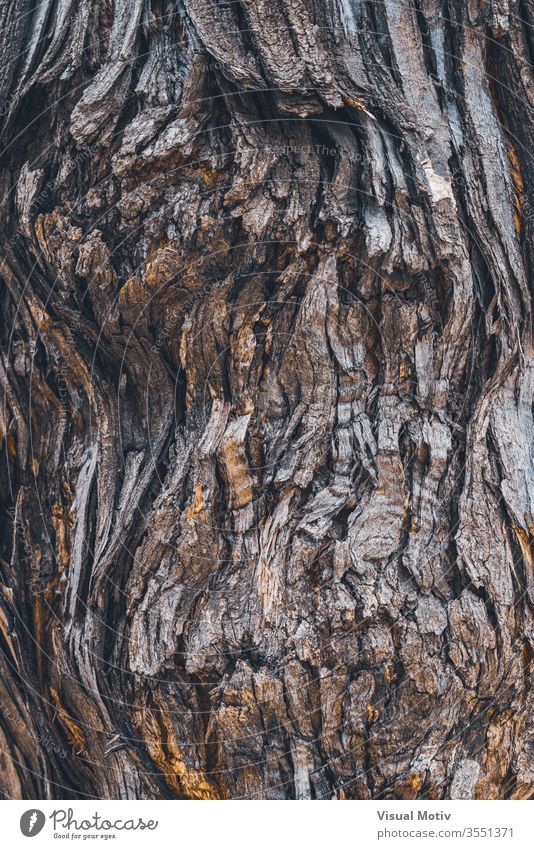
point(267, 376)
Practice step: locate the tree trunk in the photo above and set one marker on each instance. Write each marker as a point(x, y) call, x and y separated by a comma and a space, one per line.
point(267, 379)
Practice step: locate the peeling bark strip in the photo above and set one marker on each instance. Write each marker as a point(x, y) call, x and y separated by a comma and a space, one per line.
point(267, 382)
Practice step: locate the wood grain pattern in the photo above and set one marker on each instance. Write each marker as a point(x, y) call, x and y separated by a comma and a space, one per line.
point(267, 380)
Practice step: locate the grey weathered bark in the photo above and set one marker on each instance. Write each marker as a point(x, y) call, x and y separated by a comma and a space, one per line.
point(267, 380)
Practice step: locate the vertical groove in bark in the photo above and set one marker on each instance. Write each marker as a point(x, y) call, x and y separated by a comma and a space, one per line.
point(267, 389)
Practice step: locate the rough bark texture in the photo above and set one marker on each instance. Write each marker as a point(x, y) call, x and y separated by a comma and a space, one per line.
point(267, 374)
